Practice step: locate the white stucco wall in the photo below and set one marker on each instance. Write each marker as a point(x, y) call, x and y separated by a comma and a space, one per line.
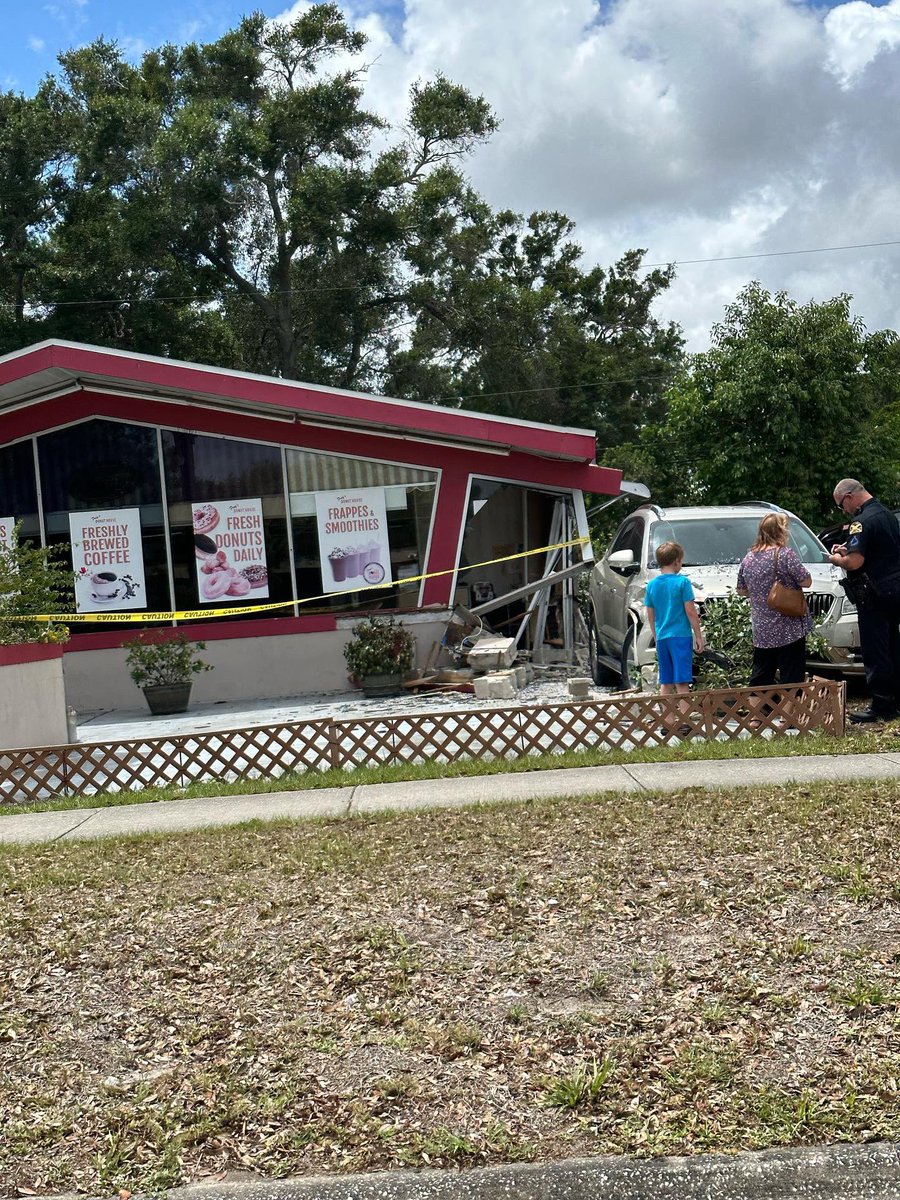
point(32, 704)
point(245, 668)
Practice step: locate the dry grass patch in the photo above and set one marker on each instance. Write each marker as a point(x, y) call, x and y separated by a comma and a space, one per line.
point(652, 974)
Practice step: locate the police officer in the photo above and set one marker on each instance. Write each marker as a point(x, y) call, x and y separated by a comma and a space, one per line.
point(871, 556)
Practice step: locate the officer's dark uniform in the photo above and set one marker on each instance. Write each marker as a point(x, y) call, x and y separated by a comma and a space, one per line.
point(875, 534)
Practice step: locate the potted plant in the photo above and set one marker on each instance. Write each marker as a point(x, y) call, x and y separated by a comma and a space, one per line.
point(378, 654)
point(162, 665)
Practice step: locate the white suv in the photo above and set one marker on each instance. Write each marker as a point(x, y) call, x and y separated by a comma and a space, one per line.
point(714, 540)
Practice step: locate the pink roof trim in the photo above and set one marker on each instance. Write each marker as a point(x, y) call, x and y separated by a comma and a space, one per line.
point(68, 361)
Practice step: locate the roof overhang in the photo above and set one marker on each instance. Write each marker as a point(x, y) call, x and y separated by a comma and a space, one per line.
point(50, 369)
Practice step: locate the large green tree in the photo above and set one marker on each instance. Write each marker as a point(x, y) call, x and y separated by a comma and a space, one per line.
point(33, 150)
point(509, 320)
point(790, 398)
point(243, 175)
point(236, 203)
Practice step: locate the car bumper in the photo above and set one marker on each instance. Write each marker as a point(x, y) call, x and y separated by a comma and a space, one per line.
point(842, 635)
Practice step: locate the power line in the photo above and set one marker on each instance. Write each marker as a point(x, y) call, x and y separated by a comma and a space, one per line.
point(356, 287)
point(690, 262)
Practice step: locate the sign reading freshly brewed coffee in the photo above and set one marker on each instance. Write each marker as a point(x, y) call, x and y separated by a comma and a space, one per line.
point(108, 560)
point(230, 549)
point(354, 551)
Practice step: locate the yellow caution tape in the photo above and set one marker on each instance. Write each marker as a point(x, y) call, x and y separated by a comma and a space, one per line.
point(199, 614)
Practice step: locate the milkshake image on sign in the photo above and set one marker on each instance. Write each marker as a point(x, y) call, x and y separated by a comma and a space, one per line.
point(338, 565)
point(371, 553)
point(347, 562)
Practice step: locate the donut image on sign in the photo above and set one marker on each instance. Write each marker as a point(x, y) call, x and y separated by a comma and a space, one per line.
point(205, 548)
point(205, 518)
point(256, 575)
point(216, 585)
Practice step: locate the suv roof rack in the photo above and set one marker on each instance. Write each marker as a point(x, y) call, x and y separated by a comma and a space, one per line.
point(653, 508)
point(759, 504)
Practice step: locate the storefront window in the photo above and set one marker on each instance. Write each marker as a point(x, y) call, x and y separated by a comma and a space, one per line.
point(212, 471)
point(18, 491)
point(405, 495)
point(105, 466)
point(220, 497)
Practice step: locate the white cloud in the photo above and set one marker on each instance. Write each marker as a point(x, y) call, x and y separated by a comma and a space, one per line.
point(36, 44)
point(134, 48)
point(857, 33)
point(69, 13)
point(696, 129)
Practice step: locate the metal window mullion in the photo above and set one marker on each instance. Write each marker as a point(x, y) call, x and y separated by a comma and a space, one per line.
point(164, 496)
point(40, 491)
point(289, 518)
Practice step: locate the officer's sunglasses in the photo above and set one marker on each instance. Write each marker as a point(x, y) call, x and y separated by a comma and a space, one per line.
point(842, 498)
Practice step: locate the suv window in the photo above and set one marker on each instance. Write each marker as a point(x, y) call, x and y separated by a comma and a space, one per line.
point(630, 537)
point(709, 541)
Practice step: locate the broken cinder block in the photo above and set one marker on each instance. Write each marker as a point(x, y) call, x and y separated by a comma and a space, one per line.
point(492, 654)
point(579, 688)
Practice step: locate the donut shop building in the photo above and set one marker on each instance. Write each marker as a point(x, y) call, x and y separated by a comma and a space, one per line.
point(178, 486)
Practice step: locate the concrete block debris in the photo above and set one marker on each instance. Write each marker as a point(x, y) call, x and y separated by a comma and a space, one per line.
point(492, 654)
point(579, 688)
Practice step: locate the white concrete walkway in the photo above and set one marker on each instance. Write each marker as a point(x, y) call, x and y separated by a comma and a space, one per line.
point(174, 816)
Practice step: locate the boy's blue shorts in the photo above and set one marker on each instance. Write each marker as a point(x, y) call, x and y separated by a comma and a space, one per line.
point(675, 656)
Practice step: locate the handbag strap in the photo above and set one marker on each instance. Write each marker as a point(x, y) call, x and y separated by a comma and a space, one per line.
point(775, 566)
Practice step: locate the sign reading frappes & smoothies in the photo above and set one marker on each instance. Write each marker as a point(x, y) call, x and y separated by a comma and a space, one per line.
point(353, 539)
point(108, 560)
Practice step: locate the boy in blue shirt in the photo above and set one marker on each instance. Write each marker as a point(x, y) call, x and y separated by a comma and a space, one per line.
point(674, 621)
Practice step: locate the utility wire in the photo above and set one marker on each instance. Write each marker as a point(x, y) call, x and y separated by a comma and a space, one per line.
point(354, 287)
point(690, 262)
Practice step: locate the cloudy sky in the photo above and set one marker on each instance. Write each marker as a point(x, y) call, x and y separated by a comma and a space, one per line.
point(698, 129)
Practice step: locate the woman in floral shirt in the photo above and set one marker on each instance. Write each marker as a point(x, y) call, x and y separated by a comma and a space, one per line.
point(779, 642)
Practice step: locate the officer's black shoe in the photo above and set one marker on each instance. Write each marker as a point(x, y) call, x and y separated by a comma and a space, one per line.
point(868, 716)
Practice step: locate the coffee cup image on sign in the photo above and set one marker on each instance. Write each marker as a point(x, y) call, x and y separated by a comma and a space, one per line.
point(105, 586)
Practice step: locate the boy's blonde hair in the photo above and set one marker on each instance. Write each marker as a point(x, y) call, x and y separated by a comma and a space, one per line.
point(668, 553)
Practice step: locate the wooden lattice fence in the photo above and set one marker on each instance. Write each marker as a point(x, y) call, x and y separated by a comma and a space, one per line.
point(625, 721)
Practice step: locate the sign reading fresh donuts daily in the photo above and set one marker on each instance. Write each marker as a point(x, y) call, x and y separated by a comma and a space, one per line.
point(354, 551)
point(108, 560)
point(230, 549)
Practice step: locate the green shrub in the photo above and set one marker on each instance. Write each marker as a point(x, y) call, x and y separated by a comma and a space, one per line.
point(379, 646)
point(726, 627)
point(33, 580)
point(160, 658)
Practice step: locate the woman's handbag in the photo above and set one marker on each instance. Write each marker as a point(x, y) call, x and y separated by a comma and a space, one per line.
point(788, 601)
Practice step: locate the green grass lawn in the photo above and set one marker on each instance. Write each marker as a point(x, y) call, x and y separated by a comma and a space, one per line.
point(640, 974)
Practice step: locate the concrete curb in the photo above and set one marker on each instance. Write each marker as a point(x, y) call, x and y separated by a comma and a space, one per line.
point(175, 816)
point(842, 1172)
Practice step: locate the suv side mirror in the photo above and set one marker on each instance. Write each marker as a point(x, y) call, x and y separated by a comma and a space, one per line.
point(623, 562)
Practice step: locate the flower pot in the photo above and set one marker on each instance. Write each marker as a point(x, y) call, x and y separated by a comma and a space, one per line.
point(381, 685)
point(166, 698)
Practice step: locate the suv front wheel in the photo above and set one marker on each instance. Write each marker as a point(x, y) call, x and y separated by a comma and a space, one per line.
point(629, 670)
point(601, 674)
